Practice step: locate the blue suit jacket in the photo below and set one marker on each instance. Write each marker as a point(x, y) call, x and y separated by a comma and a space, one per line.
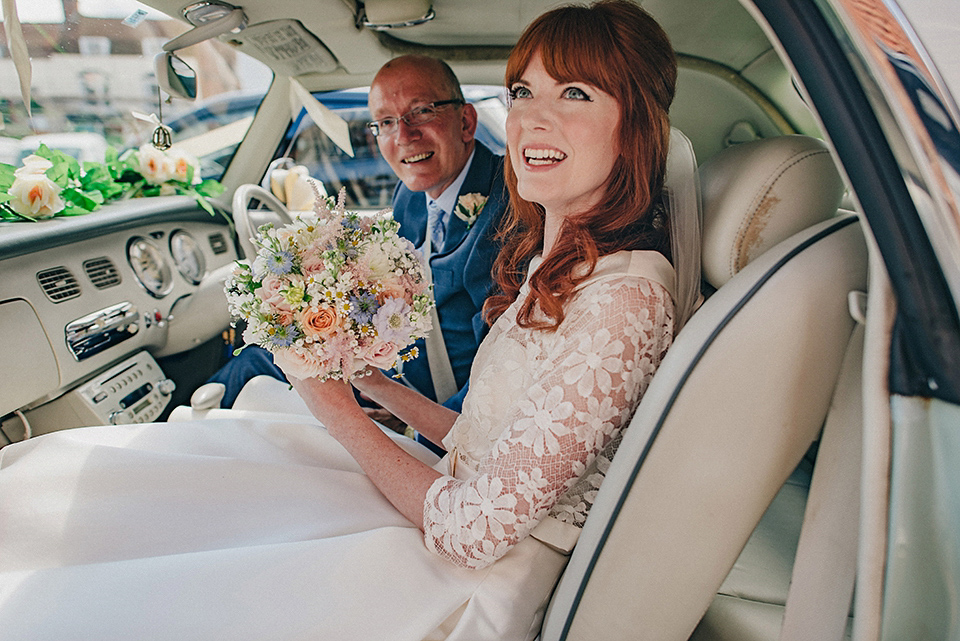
point(462, 268)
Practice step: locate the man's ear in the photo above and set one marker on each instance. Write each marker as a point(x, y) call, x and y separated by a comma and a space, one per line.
point(469, 122)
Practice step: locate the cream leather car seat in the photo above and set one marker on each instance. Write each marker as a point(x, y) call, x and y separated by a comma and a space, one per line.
point(736, 403)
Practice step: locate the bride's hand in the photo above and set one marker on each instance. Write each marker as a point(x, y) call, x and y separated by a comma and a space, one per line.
point(331, 401)
point(372, 379)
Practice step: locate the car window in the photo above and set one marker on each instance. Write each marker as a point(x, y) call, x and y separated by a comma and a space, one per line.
point(366, 177)
point(93, 70)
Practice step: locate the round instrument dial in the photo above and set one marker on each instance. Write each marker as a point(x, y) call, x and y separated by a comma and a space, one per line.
point(149, 266)
point(187, 256)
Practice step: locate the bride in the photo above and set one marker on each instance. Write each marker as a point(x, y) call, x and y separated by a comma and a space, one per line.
point(273, 527)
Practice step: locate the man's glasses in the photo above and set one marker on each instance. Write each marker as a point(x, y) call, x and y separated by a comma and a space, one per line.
point(414, 118)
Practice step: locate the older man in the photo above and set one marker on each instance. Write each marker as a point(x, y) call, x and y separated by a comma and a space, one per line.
point(449, 201)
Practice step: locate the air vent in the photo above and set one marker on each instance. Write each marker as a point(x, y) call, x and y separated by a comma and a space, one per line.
point(58, 284)
point(102, 272)
point(218, 243)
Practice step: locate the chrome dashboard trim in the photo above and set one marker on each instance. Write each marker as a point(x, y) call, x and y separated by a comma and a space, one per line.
point(93, 333)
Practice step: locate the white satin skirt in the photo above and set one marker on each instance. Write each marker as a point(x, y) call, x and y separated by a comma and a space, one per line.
point(234, 529)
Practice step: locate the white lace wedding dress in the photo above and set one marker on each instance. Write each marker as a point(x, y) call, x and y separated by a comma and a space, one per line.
point(262, 526)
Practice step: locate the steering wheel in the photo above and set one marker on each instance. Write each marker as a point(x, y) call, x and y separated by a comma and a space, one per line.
point(249, 220)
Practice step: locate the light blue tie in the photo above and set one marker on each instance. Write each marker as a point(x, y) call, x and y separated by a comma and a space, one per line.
point(435, 216)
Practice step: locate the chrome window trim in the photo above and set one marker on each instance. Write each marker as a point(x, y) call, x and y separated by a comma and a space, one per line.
point(933, 183)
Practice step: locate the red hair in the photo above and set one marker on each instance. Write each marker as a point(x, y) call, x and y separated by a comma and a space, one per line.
point(619, 48)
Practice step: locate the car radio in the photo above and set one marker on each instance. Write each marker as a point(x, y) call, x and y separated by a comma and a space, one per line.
point(134, 391)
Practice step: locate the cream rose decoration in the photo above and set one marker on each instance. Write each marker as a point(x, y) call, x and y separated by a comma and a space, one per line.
point(35, 195)
point(33, 164)
point(155, 165)
point(180, 164)
point(469, 207)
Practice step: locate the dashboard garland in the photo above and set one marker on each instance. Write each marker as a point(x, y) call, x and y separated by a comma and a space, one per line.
point(51, 183)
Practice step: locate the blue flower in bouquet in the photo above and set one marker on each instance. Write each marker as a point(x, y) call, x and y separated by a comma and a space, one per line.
point(284, 335)
point(280, 262)
point(363, 305)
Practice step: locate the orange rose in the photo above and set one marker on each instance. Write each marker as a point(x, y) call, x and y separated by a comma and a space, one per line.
point(318, 322)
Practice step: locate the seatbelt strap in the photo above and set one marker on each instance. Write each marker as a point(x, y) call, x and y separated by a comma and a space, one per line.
point(824, 571)
point(441, 371)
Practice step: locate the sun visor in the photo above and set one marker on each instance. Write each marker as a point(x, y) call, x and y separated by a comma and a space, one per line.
point(286, 47)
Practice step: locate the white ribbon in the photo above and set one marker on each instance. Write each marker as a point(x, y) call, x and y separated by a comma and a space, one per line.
point(151, 118)
point(18, 50)
point(330, 123)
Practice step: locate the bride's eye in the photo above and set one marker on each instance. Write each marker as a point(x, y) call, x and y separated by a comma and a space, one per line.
point(576, 93)
point(518, 92)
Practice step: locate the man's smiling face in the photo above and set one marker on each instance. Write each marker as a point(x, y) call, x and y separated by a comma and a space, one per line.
point(428, 157)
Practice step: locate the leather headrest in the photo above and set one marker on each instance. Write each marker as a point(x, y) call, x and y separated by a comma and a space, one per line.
point(759, 193)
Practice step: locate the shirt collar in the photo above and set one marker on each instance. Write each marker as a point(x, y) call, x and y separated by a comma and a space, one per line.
point(448, 199)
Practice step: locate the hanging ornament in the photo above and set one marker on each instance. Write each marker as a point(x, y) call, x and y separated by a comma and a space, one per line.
point(162, 137)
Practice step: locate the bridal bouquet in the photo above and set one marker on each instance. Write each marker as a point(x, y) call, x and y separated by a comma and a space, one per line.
point(332, 292)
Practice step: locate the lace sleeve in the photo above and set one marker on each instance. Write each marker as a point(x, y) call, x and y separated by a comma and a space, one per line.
point(591, 374)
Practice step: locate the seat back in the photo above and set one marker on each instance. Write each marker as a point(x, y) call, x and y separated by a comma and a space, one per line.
point(737, 401)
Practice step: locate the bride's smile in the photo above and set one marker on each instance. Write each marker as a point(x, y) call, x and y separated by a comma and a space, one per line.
point(562, 140)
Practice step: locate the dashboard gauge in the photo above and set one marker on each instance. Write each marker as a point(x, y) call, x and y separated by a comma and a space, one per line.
point(149, 266)
point(187, 256)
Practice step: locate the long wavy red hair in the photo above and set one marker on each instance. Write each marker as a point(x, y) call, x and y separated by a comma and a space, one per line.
point(619, 48)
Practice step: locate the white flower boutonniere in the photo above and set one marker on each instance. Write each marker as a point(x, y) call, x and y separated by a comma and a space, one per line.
point(469, 207)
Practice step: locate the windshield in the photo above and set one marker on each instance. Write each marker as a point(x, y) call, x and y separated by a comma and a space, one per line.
point(93, 68)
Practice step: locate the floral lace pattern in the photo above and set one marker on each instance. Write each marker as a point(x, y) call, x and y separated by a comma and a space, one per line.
point(543, 417)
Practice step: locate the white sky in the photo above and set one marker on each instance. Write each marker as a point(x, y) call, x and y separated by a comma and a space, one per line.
point(51, 11)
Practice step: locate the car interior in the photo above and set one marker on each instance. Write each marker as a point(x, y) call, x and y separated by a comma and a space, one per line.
point(119, 315)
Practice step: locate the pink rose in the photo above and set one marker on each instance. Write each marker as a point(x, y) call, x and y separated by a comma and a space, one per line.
point(299, 363)
point(380, 354)
point(393, 287)
point(312, 262)
point(282, 317)
point(269, 293)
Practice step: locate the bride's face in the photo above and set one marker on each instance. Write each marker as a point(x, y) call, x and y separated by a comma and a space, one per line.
point(562, 140)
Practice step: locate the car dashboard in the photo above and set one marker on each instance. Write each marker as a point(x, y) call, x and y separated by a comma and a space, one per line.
point(89, 304)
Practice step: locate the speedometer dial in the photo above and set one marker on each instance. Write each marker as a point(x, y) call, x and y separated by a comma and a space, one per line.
point(187, 256)
point(149, 266)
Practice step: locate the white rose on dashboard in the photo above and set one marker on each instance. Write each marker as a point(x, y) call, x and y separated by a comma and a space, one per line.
point(155, 165)
point(181, 162)
point(32, 165)
point(35, 195)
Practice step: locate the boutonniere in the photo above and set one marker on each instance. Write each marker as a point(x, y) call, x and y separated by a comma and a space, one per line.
point(468, 208)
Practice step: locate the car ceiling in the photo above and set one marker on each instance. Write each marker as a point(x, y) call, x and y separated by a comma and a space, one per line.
point(718, 30)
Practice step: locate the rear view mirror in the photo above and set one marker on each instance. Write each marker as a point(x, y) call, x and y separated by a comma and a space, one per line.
point(175, 76)
point(212, 19)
